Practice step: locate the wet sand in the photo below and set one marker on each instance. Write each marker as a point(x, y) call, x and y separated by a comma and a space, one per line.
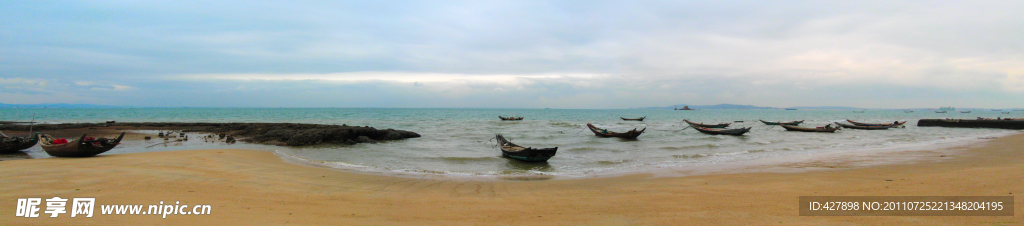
point(258, 188)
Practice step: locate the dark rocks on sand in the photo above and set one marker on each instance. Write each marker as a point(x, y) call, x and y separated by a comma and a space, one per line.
point(269, 133)
point(972, 123)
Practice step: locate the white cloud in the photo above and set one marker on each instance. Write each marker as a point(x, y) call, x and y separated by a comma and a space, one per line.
point(672, 51)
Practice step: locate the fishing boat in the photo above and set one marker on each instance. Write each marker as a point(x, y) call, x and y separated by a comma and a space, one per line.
point(1005, 112)
point(510, 118)
point(634, 119)
point(965, 111)
point(718, 131)
point(694, 124)
point(908, 111)
point(510, 150)
point(83, 147)
point(793, 123)
point(893, 124)
point(632, 134)
point(940, 111)
point(858, 111)
point(862, 127)
point(10, 144)
point(822, 129)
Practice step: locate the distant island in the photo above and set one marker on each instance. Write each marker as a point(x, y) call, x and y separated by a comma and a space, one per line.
point(752, 107)
point(719, 106)
point(3, 105)
point(748, 107)
point(825, 107)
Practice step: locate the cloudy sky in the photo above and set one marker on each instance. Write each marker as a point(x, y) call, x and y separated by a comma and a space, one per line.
point(520, 54)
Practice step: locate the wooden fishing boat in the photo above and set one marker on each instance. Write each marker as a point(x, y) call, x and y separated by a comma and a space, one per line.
point(793, 123)
point(965, 111)
point(510, 118)
point(510, 150)
point(634, 119)
point(694, 124)
point(825, 129)
point(632, 134)
point(718, 131)
point(863, 127)
point(893, 124)
point(83, 147)
point(940, 111)
point(12, 144)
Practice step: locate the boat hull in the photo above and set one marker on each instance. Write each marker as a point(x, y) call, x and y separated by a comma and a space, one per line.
point(14, 144)
point(805, 129)
point(529, 158)
point(863, 127)
point(632, 134)
point(793, 123)
point(80, 147)
point(715, 131)
point(514, 151)
point(715, 126)
point(892, 125)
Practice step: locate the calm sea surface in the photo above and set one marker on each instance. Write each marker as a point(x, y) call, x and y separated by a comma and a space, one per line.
point(460, 141)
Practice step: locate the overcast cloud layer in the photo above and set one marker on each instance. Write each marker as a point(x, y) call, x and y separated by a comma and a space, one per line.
point(533, 54)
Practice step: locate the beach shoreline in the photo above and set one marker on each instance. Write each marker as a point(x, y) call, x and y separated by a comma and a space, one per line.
point(867, 157)
point(247, 187)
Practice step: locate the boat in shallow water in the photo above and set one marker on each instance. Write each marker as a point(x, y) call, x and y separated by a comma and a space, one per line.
point(822, 129)
point(894, 124)
point(849, 126)
point(632, 134)
point(694, 124)
point(511, 150)
point(510, 118)
point(793, 123)
point(634, 119)
point(719, 131)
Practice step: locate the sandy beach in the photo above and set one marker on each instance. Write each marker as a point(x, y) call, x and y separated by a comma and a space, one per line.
point(247, 187)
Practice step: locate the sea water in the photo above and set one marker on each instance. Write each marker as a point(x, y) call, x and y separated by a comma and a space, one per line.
point(459, 142)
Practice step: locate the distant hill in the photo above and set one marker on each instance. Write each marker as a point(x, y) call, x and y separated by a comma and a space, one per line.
point(718, 106)
point(825, 107)
point(2, 105)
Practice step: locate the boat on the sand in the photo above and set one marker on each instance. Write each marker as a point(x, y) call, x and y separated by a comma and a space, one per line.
point(83, 147)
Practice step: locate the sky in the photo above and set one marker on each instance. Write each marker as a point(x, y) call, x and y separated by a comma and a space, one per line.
point(513, 54)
